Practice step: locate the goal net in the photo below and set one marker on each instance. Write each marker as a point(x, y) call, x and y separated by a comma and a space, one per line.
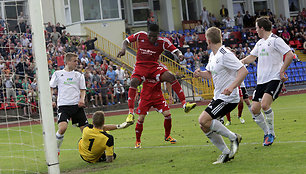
point(26, 145)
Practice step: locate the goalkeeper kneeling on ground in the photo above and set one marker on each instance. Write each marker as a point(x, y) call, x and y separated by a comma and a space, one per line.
point(96, 145)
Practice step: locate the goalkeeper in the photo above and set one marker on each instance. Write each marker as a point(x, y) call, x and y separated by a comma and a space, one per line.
point(96, 145)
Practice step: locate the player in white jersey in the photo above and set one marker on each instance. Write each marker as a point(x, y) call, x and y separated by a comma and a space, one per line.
point(270, 50)
point(227, 73)
point(71, 95)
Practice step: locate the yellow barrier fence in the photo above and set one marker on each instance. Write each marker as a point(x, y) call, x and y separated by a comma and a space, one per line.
point(111, 49)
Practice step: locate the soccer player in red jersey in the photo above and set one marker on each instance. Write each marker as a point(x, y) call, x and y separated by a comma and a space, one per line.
point(150, 46)
point(151, 96)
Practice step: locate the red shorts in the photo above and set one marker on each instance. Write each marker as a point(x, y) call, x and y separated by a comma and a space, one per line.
point(148, 71)
point(145, 105)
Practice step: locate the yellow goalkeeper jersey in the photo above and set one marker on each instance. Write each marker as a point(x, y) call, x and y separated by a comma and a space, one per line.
point(93, 144)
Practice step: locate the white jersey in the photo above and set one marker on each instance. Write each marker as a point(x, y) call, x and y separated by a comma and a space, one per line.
point(69, 85)
point(223, 67)
point(270, 58)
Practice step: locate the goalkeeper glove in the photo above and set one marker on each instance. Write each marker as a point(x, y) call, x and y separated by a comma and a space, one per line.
point(123, 125)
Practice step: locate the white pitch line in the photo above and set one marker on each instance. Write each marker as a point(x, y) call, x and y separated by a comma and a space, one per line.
point(174, 146)
point(204, 145)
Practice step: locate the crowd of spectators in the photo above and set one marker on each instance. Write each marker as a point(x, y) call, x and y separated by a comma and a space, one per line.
point(106, 82)
point(241, 36)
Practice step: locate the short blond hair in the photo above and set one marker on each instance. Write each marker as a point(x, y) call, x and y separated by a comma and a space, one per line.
point(68, 56)
point(214, 35)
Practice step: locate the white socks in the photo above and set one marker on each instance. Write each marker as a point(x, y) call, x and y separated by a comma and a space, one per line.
point(270, 120)
point(59, 140)
point(219, 128)
point(260, 120)
point(217, 140)
point(250, 109)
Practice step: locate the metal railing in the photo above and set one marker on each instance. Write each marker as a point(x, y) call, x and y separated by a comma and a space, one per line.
point(111, 49)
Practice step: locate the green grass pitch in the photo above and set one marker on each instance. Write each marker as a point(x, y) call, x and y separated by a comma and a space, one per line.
point(193, 153)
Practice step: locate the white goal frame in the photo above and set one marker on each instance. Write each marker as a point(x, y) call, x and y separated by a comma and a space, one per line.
point(45, 102)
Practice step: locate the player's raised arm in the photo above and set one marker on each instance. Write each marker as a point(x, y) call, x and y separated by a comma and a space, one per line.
point(179, 53)
point(122, 51)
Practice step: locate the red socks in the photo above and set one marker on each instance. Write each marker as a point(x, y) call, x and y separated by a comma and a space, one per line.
point(131, 99)
point(240, 108)
point(179, 91)
point(138, 130)
point(167, 125)
point(228, 116)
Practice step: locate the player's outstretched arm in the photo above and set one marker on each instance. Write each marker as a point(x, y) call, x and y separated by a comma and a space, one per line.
point(110, 127)
point(203, 74)
point(123, 50)
point(248, 59)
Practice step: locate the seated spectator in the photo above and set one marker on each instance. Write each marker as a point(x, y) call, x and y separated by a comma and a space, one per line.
point(97, 93)
point(183, 62)
point(169, 38)
point(195, 37)
point(197, 60)
point(188, 37)
point(113, 65)
point(21, 101)
point(246, 48)
point(89, 95)
point(111, 75)
point(32, 95)
point(127, 78)
point(98, 57)
point(185, 45)
point(84, 59)
point(71, 47)
point(286, 35)
point(228, 22)
point(205, 58)
point(118, 91)
point(176, 40)
point(120, 74)
point(239, 20)
point(188, 54)
point(199, 28)
point(55, 36)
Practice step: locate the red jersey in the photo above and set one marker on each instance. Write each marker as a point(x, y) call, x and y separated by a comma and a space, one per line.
point(60, 61)
point(148, 52)
point(151, 90)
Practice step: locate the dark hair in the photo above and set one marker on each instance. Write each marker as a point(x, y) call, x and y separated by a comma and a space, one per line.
point(98, 119)
point(154, 28)
point(265, 23)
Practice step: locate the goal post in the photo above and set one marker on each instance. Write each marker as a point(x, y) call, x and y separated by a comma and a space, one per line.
point(46, 111)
